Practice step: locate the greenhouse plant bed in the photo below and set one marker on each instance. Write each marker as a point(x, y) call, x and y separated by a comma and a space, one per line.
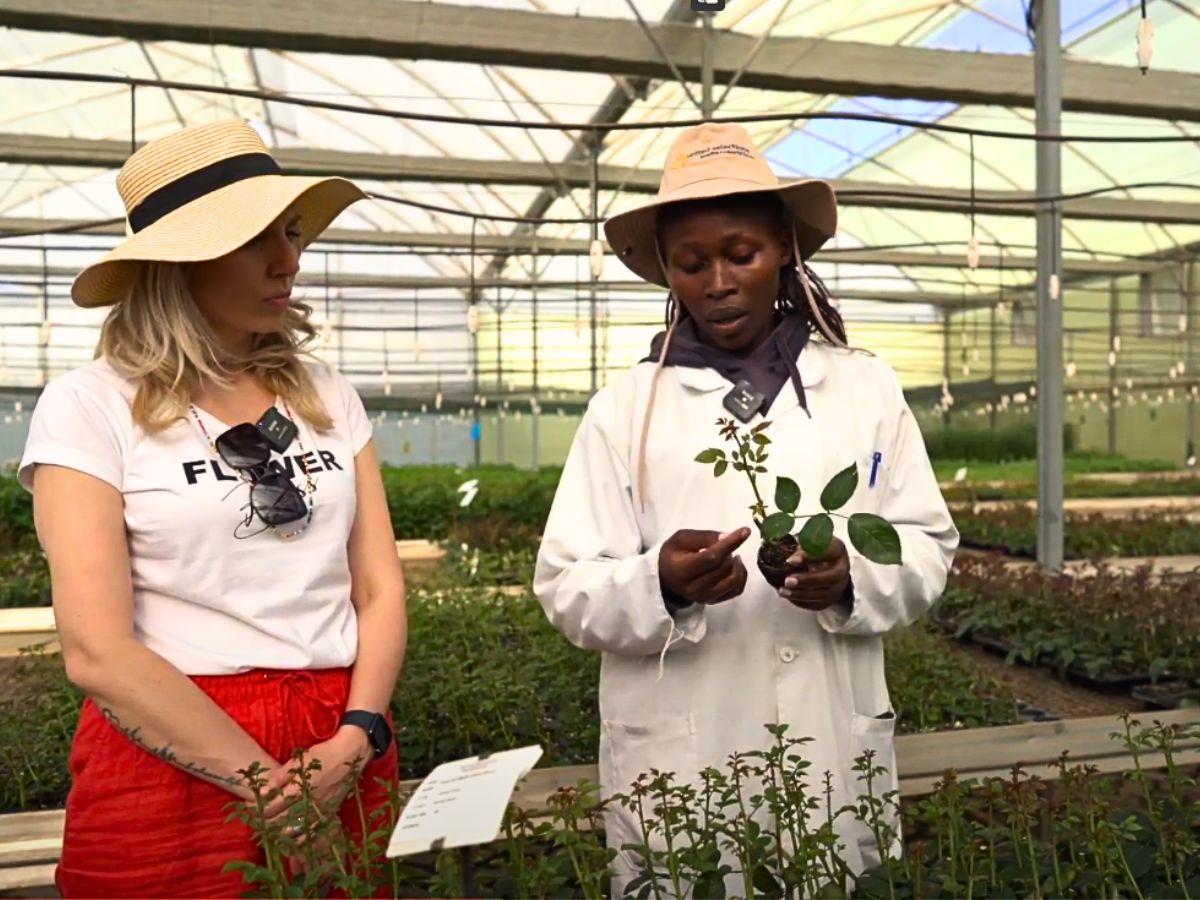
point(1084, 627)
point(1168, 695)
point(1077, 675)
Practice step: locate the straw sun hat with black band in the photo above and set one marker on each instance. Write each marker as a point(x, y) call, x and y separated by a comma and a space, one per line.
point(199, 194)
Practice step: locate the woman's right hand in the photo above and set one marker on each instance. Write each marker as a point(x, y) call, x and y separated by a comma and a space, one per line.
point(699, 567)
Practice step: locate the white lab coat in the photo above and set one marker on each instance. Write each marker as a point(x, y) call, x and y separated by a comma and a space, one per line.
point(755, 659)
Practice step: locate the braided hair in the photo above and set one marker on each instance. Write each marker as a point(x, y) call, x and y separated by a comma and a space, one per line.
point(791, 300)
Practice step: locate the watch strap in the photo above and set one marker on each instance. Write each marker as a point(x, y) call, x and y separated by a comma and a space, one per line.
point(374, 724)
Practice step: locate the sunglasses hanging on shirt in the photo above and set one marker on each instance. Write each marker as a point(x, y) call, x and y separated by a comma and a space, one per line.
point(274, 497)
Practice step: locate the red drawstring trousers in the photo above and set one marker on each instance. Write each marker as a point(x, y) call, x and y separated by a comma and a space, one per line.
point(139, 827)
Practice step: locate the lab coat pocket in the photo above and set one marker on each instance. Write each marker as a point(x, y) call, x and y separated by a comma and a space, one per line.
point(634, 749)
point(666, 745)
point(877, 735)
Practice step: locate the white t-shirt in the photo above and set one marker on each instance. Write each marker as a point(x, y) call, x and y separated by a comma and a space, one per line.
point(207, 601)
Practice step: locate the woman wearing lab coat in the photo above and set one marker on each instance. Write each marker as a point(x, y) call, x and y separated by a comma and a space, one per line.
point(651, 561)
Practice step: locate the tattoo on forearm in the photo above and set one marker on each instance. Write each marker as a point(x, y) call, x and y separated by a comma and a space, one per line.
point(167, 755)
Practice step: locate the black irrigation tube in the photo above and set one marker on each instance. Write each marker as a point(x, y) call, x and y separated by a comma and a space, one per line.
point(379, 112)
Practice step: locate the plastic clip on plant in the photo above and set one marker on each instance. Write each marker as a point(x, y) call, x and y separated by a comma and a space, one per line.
point(871, 535)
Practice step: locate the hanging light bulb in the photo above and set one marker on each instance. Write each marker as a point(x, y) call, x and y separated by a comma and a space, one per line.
point(1112, 359)
point(18, 406)
point(44, 332)
point(1116, 391)
point(1171, 394)
point(1179, 367)
point(1145, 42)
point(437, 401)
point(966, 370)
point(473, 318)
point(1116, 343)
point(973, 251)
point(387, 383)
point(1071, 368)
point(1182, 324)
point(1129, 384)
point(1055, 286)
point(1033, 390)
point(596, 258)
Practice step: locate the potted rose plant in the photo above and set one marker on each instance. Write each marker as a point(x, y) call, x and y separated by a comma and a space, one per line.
point(871, 535)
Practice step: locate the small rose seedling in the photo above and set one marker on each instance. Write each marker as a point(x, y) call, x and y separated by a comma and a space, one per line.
point(871, 535)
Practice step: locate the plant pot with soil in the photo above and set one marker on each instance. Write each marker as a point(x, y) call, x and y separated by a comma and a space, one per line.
point(871, 535)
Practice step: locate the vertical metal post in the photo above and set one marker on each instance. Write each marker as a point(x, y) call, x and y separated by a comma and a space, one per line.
point(1048, 65)
point(477, 415)
point(946, 361)
point(596, 140)
point(1114, 303)
point(707, 107)
point(536, 405)
point(44, 315)
point(500, 423)
point(1189, 298)
point(995, 386)
point(499, 344)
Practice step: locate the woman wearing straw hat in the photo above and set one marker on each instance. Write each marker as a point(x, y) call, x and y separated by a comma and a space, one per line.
point(224, 574)
point(645, 556)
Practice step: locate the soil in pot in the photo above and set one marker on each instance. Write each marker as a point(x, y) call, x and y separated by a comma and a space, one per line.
point(773, 560)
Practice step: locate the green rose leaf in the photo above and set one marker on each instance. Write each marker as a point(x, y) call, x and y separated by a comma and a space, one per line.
point(787, 494)
point(720, 468)
point(777, 525)
point(710, 456)
point(816, 536)
point(840, 489)
point(875, 538)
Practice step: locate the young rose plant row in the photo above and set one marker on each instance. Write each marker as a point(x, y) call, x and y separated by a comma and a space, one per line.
point(1126, 835)
point(763, 826)
point(484, 672)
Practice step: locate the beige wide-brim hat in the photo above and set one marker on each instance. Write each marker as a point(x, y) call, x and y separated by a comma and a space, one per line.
point(199, 194)
point(717, 160)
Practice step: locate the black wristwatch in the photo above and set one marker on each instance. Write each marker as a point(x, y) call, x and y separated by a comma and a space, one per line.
point(379, 735)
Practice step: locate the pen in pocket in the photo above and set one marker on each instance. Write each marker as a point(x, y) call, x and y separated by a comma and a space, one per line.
point(875, 461)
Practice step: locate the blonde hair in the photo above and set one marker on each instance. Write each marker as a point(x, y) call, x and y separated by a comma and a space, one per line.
point(157, 338)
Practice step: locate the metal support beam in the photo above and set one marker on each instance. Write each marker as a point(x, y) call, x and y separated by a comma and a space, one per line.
point(946, 363)
point(631, 290)
point(593, 298)
point(618, 102)
point(707, 107)
point(22, 149)
point(1189, 295)
point(995, 385)
point(535, 406)
point(1048, 65)
point(536, 244)
point(406, 29)
point(1114, 330)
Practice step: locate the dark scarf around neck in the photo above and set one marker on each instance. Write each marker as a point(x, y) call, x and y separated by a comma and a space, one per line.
point(768, 368)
